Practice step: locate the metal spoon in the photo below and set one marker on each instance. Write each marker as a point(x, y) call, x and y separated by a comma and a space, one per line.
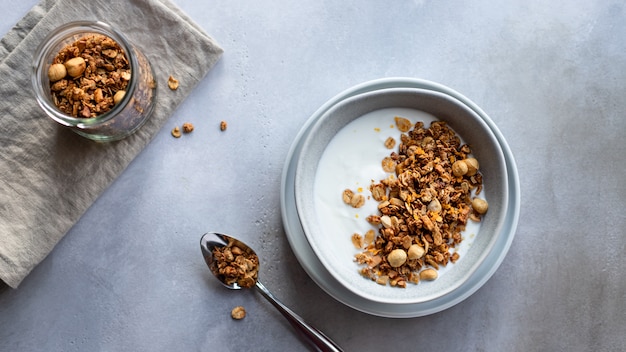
point(212, 240)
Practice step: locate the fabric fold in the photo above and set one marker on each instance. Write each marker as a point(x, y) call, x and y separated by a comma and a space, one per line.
point(50, 176)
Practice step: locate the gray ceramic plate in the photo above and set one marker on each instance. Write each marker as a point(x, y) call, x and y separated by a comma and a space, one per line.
point(314, 268)
point(334, 157)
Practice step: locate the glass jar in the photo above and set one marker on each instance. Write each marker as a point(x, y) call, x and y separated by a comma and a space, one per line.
point(123, 118)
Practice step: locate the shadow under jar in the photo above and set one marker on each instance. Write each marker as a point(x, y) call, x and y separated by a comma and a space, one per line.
point(131, 109)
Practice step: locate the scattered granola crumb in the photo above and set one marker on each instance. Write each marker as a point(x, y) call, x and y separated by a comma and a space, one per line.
point(187, 127)
point(404, 124)
point(176, 132)
point(172, 83)
point(238, 313)
point(223, 126)
point(353, 199)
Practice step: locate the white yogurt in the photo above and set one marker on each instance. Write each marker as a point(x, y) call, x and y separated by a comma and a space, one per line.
point(352, 160)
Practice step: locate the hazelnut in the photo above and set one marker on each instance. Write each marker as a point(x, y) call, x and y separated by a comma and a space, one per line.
point(472, 166)
point(119, 95)
point(428, 274)
point(459, 168)
point(75, 66)
point(56, 72)
point(416, 251)
point(396, 258)
point(480, 205)
point(176, 132)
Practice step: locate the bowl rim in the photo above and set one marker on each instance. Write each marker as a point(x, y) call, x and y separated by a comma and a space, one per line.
point(304, 206)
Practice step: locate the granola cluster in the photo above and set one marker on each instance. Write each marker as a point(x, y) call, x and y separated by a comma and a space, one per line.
point(172, 83)
point(423, 206)
point(238, 313)
point(236, 265)
point(89, 76)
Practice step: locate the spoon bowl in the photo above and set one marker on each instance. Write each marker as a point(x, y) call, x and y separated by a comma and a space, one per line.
point(211, 242)
point(217, 249)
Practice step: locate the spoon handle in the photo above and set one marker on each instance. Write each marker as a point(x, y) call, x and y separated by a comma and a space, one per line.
point(316, 337)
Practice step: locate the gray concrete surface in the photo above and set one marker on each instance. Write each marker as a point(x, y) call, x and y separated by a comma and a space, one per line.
point(552, 75)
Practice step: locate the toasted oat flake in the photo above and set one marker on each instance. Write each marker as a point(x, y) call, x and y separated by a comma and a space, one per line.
point(353, 199)
point(369, 237)
point(389, 165)
point(357, 240)
point(236, 265)
point(347, 196)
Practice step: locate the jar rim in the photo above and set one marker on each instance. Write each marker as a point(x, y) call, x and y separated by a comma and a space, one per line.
point(40, 81)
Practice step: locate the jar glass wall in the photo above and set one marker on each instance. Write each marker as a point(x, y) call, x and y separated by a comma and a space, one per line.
point(120, 120)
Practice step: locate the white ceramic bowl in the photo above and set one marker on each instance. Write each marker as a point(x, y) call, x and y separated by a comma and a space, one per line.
point(344, 149)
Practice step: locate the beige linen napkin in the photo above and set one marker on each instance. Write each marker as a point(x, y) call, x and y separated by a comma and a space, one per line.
point(49, 175)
